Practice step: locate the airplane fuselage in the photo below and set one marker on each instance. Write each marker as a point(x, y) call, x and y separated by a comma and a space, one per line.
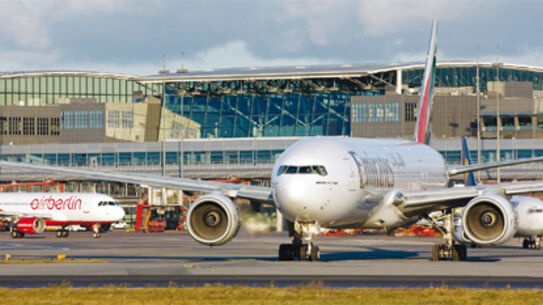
point(348, 182)
point(62, 208)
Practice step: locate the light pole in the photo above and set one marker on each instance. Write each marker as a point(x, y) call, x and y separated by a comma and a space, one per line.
point(478, 91)
point(498, 119)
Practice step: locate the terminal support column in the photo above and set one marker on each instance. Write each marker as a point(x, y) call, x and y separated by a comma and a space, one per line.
point(399, 81)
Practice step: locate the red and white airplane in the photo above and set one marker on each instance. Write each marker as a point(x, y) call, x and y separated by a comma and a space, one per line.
point(31, 213)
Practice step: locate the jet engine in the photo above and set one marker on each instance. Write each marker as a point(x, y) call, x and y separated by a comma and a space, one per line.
point(488, 220)
point(213, 219)
point(32, 225)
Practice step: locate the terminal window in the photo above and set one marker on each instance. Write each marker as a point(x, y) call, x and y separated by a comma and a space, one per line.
point(392, 112)
point(360, 113)
point(28, 126)
point(128, 119)
point(113, 119)
point(82, 119)
point(55, 126)
point(377, 112)
point(43, 126)
point(67, 120)
point(15, 126)
point(97, 119)
point(410, 112)
point(3, 125)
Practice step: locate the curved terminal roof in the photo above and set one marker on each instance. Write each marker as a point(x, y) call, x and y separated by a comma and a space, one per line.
point(18, 74)
point(312, 72)
point(266, 73)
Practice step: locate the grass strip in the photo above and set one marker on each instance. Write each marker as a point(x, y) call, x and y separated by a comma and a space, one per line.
point(52, 261)
point(65, 294)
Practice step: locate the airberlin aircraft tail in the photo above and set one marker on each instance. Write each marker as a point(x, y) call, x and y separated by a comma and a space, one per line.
point(423, 126)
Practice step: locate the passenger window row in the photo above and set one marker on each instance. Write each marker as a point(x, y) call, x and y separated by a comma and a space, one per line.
point(106, 203)
point(307, 169)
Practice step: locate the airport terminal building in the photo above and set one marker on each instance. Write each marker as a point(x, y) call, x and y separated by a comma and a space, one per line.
point(46, 116)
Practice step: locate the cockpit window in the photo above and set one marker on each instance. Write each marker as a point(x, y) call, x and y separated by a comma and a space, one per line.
point(292, 170)
point(319, 170)
point(281, 169)
point(306, 169)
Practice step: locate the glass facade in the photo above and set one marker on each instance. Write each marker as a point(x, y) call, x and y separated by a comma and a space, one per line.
point(268, 115)
point(48, 89)
point(466, 76)
point(218, 157)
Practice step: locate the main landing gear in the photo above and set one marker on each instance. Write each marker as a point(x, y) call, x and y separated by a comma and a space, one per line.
point(16, 234)
point(62, 233)
point(448, 250)
point(533, 242)
point(302, 246)
point(96, 230)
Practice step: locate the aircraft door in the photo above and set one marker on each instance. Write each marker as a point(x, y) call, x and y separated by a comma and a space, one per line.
point(350, 166)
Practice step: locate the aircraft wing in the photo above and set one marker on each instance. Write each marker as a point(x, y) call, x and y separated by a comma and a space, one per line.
point(482, 166)
point(257, 193)
point(414, 203)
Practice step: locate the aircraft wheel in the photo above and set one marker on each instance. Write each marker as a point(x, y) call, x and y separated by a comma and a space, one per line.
point(59, 234)
point(459, 253)
point(65, 233)
point(286, 252)
point(14, 234)
point(435, 252)
point(315, 253)
point(96, 235)
point(21, 234)
point(302, 253)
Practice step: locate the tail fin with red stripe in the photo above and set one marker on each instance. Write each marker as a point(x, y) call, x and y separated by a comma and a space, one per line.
point(423, 126)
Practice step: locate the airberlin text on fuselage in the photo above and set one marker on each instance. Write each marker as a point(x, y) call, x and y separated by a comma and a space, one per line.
point(50, 203)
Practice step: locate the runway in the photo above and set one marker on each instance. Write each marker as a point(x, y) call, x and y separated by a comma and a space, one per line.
point(161, 259)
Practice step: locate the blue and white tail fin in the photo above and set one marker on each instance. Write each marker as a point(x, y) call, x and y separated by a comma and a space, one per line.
point(469, 178)
point(423, 126)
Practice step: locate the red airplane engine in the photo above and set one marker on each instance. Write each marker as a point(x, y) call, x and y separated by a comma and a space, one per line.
point(31, 225)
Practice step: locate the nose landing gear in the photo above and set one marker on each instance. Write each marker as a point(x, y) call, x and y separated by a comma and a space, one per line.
point(302, 246)
point(533, 242)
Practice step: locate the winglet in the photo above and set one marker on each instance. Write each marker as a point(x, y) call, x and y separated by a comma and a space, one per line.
point(423, 126)
point(469, 178)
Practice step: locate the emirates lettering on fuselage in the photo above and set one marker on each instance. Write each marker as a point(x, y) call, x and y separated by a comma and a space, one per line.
point(376, 171)
point(50, 203)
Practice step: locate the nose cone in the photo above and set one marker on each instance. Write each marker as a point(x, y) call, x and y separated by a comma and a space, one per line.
point(119, 213)
point(292, 198)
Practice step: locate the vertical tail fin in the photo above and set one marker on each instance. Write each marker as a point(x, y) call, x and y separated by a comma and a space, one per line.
point(423, 126)
point(469, 178)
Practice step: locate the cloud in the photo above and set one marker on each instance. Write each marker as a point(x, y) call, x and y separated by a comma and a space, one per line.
point(384, 17)
point(22, 24)
point(237, 54)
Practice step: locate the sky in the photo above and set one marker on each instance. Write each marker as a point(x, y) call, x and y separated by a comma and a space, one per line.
point(132, 36)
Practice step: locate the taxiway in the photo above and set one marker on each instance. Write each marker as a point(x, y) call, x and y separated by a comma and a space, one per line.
point(171, 257)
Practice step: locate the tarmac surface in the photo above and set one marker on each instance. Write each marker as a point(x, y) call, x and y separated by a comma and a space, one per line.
point(173, 258)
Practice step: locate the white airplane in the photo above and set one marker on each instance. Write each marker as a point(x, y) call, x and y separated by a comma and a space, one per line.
point(338, 182)
point(528, 209)
point(31, 213)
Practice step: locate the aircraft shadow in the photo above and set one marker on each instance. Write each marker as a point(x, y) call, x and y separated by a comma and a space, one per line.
point(373, 254)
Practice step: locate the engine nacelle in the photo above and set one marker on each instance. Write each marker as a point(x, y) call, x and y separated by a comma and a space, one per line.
point(489, 220)
point(32, 225)
point(213, 220)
